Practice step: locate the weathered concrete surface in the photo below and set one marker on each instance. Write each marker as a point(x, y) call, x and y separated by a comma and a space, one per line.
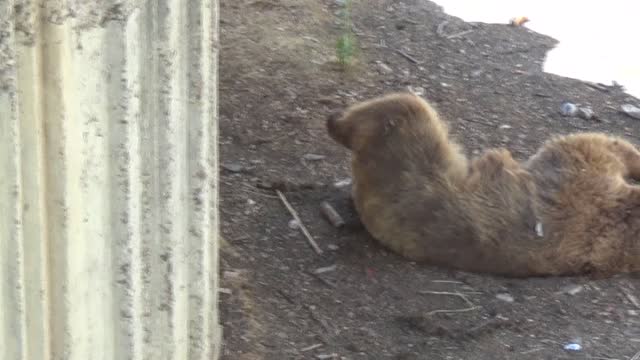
point(108, 193)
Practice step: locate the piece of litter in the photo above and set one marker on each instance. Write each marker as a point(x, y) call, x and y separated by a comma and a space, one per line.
point(325, 269)
point(505, 297)
point(568, 109)
point(631, 110)
point(539, 229)
point(573, 347)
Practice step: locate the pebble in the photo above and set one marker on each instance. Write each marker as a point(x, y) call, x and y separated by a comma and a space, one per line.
point(505, 297)
point(313, 157)
point(332, 247)
point(233, 167)
point(586, 113)
point(384, 68)
point(294, 224)
point(342, 183)
point(573, 289)
point(631, 110)
point(568, 109)
point(573, 347)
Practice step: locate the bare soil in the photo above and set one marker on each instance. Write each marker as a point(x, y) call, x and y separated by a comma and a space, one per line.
point(278, 82)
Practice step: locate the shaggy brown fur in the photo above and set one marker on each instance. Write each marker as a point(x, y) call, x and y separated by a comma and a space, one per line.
point(567, 210)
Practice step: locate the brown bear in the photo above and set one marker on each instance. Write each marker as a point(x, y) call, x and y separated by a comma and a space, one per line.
point(567, 210)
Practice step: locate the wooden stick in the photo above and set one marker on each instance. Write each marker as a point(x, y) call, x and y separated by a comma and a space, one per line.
point(303, 228)
point(408, 57)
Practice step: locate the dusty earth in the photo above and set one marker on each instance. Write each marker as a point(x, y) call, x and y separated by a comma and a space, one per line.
point(279, 80)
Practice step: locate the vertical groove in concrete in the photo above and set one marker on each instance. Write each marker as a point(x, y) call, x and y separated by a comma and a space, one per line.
point(108, 199)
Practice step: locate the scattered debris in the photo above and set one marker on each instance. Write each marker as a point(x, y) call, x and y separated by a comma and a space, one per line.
point(384, 68)
point(459, 34)
point(416, 90)
point(408, 57)
point(518, 21)
point(325, 269)
point(303, 228)
point(294, 224)
point(327, 356)
point(225, 291)
point(331, 215)
point(572, 289)
point(586, 113)
point(505, 297)
point(233, 167)
point(568, 109)
point(440, 28)
point(539, 229)
point(631, 110)
point(311, 347)
point(313, 157)
point(471, 307)
point(342, 183)
point(573, 347)
point(598, 86)
point(286, 185)
point(632, 298)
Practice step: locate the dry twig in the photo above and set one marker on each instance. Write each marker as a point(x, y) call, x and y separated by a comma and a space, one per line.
point(303, 228)
point(407, 56)
point(459, 34)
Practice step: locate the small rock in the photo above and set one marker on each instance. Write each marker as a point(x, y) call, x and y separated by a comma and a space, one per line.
point(505, 297)
point(476, 73)
point(568, 109)
point(342, 183)
point(250, 202)
point(332, 247)
point(225, 291)
point(573, 347)
point(416, 90)
point(384, 68)
point(633, 312)
point(233, 167)
point(313, 157)
point(573, 289)
point(586, 113)
point(505, 126)
point(539, 229)
point(631, 110)
point(231, 275)
point(294, 224)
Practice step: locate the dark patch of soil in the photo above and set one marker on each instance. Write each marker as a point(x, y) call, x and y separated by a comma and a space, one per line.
point(278, 82)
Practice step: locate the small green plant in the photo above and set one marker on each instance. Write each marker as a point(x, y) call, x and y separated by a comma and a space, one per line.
point(346, 44)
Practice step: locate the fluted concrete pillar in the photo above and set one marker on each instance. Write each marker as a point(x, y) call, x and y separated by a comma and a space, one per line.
point(108, 179)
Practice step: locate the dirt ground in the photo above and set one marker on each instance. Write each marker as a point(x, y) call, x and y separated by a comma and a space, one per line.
point(279, 80)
